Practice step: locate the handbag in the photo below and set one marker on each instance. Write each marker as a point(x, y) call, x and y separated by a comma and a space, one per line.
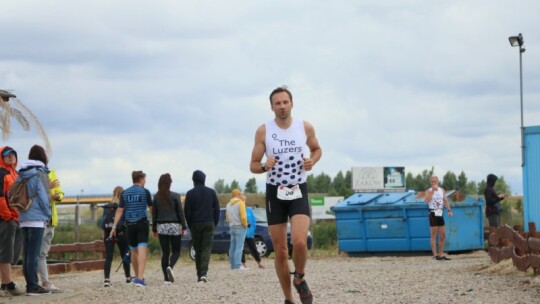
point(498, 207)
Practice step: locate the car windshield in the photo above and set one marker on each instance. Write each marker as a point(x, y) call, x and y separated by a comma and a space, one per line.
point(260, 215)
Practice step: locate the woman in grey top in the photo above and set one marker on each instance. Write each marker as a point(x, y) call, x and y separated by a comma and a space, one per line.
point(169, 224)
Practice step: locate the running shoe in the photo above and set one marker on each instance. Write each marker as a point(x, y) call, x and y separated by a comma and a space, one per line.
point(166, 283)
point(170, 274)
point(436, 258)
point(444, 258)
point(139, 283)
point(204, 279)
point(129, 280)
point(288, 302)
point(107, 283)
point(303, 291)
point(38, 291)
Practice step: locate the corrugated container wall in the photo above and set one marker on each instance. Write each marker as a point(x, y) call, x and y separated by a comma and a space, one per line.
point(399, 222)
point(531, 177)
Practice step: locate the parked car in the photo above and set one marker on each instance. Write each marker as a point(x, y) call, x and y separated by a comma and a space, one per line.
point(222, 236)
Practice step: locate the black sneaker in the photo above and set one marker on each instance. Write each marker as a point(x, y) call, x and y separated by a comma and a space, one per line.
point(438, 258)
point(306, 297)
point(38, 291)
point(107, 283)
point(288, 302)
point(129, 280)
point(443, 258)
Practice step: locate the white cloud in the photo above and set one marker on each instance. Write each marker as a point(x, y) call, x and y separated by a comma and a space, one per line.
point(178, 86)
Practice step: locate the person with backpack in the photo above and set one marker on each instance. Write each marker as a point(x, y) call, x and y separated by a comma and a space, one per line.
point(168, 224)
point(10, 233)
point(56, 195)
point(107, 222)
point(33, 221)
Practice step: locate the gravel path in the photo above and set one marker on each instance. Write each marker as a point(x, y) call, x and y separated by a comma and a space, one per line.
point(467, 278)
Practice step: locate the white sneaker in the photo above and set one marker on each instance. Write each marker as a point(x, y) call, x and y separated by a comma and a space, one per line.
point(170, 274)
point(50, 287)
point(204, 279)
point(166, 283)
point(243, 268)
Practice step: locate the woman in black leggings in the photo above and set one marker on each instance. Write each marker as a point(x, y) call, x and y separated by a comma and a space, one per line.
point(107, 221)
point(169, 224)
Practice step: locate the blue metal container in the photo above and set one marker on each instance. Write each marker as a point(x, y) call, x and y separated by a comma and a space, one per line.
point(531, 177)
point(372, 222)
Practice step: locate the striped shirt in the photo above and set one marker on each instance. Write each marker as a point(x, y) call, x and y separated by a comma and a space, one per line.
point(135, 200)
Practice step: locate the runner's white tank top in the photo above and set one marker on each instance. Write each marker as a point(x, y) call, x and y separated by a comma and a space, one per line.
point(288, 146)
point(437, 199)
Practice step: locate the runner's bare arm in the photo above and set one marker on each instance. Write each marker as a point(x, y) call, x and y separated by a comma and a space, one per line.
point(313, 145)
point(255, 166)
point(429, 195)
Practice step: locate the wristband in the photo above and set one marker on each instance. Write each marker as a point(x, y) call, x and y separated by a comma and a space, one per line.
point(113, 227)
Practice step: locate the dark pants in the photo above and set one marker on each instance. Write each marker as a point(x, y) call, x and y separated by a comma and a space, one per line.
point(32, 238)
point(202, 236)
point(122, 244)
point(250, 242)
point(169, 243)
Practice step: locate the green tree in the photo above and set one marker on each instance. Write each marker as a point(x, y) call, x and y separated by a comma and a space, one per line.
point(501, 186)
point(251, 186)
point(323, 182)
point(219, 186)
point(462, 182)
point(311, 184)
point(471, 188)
point(481, 186)
point(234, 185)
point(449, 181)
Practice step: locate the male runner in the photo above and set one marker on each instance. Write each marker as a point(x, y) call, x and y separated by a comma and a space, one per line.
point(284, 141)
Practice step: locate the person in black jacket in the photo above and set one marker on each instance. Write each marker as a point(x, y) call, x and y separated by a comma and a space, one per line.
point(107, 221)
point(169, 224)
point(493, 205)
point(202, 215)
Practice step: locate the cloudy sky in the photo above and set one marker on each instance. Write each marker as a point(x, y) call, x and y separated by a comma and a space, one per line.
point(175, 86)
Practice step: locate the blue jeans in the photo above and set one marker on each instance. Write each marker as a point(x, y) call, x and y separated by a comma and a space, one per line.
point(238, 235)
point(32, 238)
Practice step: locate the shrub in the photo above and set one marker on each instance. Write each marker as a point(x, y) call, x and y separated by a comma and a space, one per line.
point(324, 235)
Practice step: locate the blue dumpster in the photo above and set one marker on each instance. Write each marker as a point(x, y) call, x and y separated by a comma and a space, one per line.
point(372, 222)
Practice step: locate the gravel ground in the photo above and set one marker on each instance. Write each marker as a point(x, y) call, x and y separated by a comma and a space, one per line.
point(467, 278)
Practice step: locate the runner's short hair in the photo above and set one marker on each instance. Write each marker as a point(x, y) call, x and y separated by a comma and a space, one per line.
point(280, 89)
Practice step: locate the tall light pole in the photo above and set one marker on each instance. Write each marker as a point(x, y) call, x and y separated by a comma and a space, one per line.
point(518, 41)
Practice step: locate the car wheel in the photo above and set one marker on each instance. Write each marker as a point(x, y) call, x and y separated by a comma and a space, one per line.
point(261, 247)
point(192, 252)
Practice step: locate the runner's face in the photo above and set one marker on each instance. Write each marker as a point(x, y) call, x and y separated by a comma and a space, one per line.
point(281, 105)
point(434, 182)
